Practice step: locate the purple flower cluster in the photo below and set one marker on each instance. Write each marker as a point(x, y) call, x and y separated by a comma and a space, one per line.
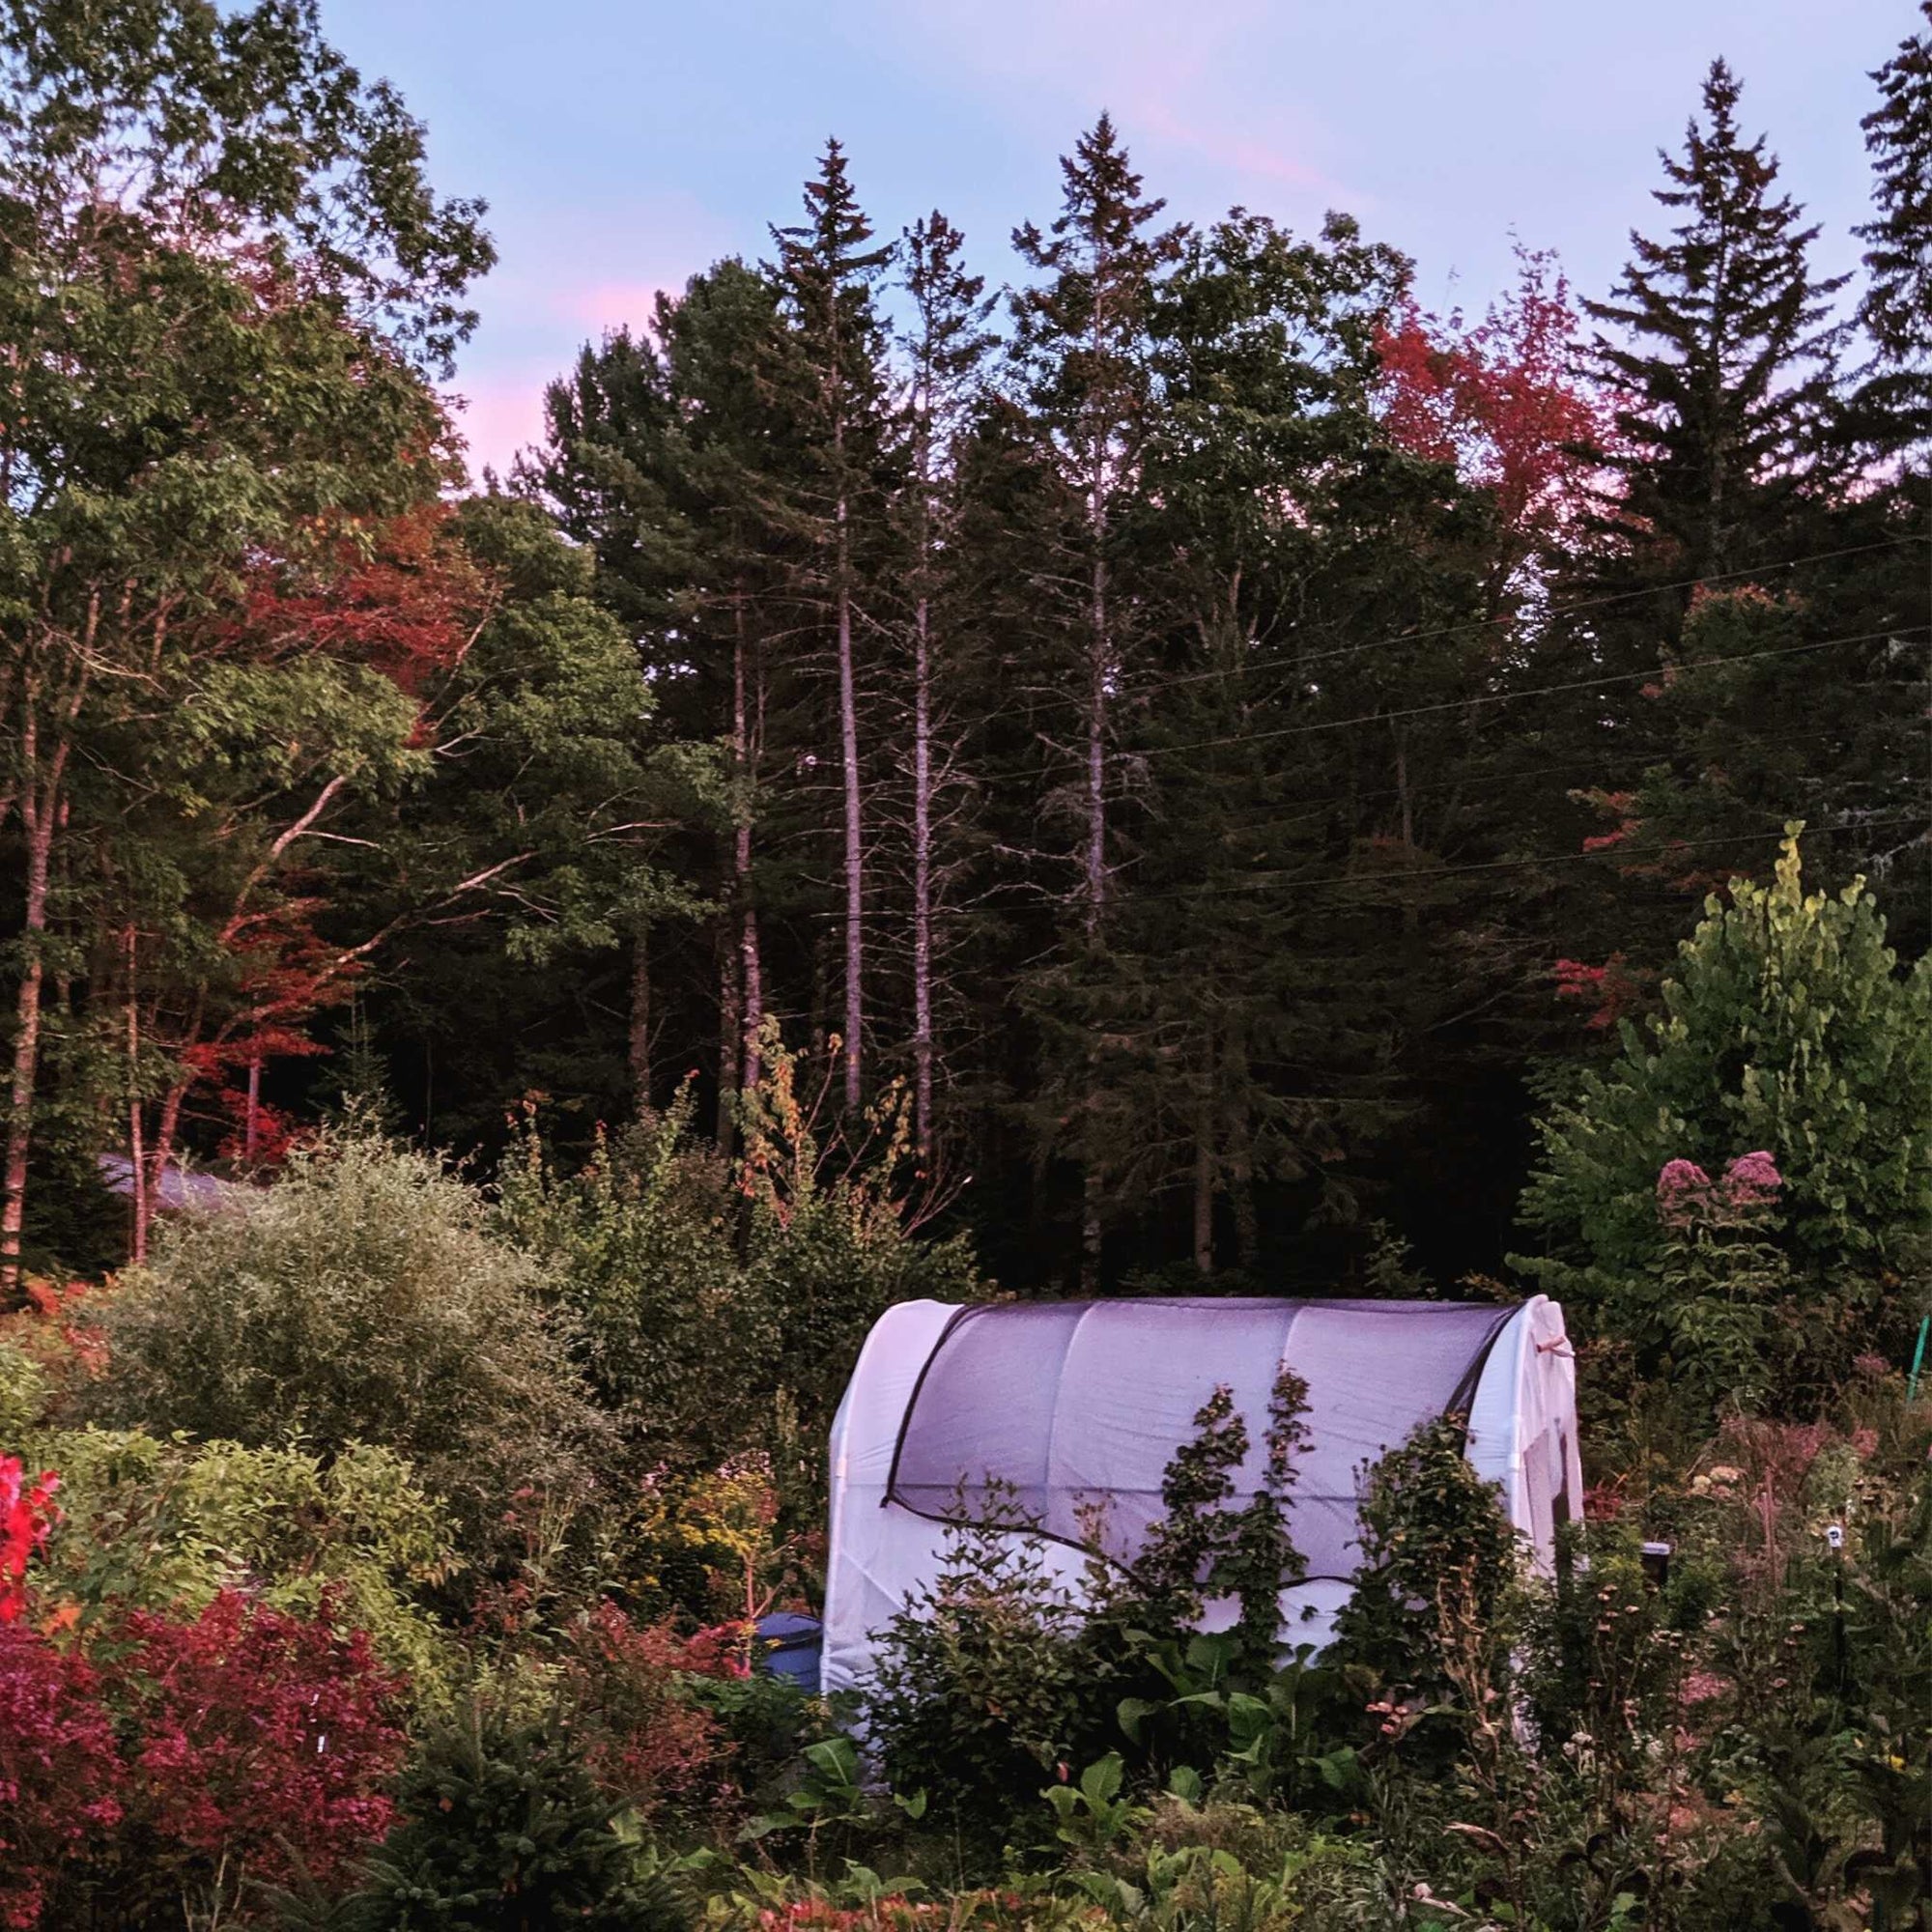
point(1686, 1193)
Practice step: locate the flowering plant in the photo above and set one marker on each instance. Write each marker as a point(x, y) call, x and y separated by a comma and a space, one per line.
point(27, 1512)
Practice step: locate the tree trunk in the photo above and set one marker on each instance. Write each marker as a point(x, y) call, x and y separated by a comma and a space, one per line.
point(138, 1156)
point(40, 806)
point(1099, 673)
point(855, 899)
point(922, 881)
point(730, 1037)
point(1203, 1199)
point(745, 736)
point(638, 1040)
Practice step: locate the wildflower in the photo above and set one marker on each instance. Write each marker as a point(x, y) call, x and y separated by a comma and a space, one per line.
point(1753, 1180)
point(1683, 1192)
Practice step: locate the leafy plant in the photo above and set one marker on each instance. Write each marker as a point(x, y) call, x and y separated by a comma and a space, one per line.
point(359, 1298)
point(502, 1828)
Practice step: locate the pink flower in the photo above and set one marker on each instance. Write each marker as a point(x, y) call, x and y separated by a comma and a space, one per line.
point(1753, 1180)
point(1682, 1191)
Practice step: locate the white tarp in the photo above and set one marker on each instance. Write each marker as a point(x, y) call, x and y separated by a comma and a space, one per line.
point(1073, 1403)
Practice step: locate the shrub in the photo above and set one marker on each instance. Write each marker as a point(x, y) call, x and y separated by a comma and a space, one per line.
point(1786, 1027)
point(978, 1694)
point(648, 1741)
point(361, 1299)
point(1438, 1560)
point(503, 1828)
point(61, 1773)
point(170, 1525)
point(255, 1738)
point(170, 1765)
point(640, 1247)
point(718, 1305)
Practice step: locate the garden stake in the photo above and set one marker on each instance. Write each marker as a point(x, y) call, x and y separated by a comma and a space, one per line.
point(1917, 1359)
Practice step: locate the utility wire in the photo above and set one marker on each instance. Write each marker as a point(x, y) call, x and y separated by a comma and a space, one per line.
point(1507, 697)
point(1285, 874)
point(1295, 661)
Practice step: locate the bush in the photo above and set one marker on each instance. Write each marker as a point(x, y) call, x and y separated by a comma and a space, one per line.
point(61, 1772)
point(361, 1299)
point(503, 1828)
point(979, 1693)
point(1788, 1031)
point(172, 1764)
point(718, 1305)
point(170, 1525)
point(1439, 1563)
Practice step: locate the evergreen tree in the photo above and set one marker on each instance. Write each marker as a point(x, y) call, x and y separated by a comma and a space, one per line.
point(1726, 355)
point(832, 380)
point(945, 349)
point(1081, 357)
point(1897, 305)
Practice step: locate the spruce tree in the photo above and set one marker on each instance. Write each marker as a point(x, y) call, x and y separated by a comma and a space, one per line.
point(832, 377)
point(1897, 306)
point(1724, 350)
point(945, 350)
point(1081, 357)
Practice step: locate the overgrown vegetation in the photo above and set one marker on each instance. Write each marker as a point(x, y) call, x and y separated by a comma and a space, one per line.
point(866, 814)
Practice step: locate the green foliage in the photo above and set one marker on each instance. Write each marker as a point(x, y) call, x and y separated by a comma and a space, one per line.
point(1439, 1558)
point(641, 1246)
point(718, 1304)
point(362, 1298)
point(503, 1830)
point(166, 1525)
point(980, 1687)
point(1786, 1027)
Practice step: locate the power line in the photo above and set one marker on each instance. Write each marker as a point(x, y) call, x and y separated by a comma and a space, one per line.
point(1504, 696)
point(1281, 874)
point(1295, 661)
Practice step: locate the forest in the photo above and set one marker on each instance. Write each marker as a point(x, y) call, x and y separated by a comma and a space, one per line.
point(1184, 772)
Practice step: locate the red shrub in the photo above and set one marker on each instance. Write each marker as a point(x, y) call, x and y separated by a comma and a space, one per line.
point(648, 1743)
point(61, 1774)
point(251, 1734)
point(27, 1513)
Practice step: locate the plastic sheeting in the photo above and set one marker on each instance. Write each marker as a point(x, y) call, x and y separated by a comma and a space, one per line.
point(1075, 1408)
point(1073, 1404)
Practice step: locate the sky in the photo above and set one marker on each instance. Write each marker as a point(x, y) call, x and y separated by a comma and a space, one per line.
point(622, 145)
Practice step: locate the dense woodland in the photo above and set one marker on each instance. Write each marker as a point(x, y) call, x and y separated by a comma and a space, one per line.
point(1214, 738)
point(1175, 770)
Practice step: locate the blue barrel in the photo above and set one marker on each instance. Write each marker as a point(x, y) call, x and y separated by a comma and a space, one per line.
point(789, 1644)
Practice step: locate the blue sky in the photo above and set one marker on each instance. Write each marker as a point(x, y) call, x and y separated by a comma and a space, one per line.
point(623, 146)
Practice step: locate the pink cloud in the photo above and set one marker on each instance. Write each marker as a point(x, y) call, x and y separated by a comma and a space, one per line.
point(621, 304)
point(500, 415)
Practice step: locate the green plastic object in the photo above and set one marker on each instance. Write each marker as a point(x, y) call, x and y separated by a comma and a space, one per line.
point(1918, 1360)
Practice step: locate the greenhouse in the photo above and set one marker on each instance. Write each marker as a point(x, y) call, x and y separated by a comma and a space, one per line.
point(1071, 1410)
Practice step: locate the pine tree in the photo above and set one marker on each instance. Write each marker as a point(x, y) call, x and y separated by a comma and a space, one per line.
point(1725, 352)
point(834, 382)
point(1897, 306)
point(1081, 353)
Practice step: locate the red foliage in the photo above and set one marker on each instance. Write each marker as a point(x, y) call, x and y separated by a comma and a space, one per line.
point(401, 597)
point(61, 1774)
point(648, 1743)
point(27, 1513)
point(255, 1734)
point(1497, 400)
point(1614, 989)
point(174, 1757)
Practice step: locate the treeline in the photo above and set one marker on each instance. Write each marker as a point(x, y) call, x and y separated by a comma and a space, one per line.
point(1205, 736)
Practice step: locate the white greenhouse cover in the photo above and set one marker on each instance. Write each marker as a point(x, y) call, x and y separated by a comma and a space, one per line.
point(1076, 1404)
